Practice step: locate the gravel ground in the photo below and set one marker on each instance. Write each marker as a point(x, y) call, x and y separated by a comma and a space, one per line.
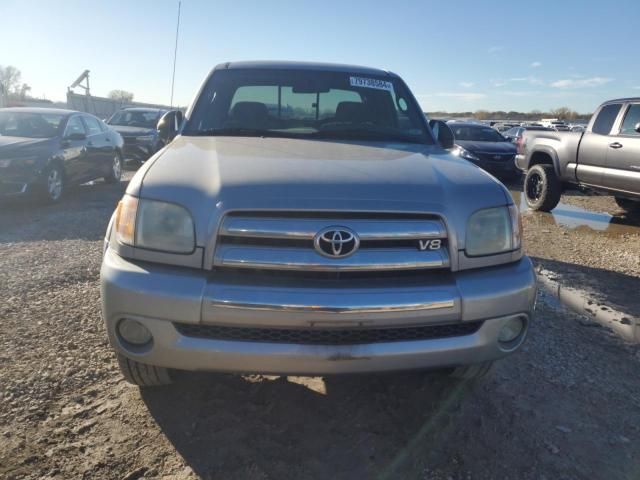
point(566, 407)
point(591, 243)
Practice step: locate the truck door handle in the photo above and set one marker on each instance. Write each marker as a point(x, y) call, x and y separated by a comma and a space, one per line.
point(615, 145)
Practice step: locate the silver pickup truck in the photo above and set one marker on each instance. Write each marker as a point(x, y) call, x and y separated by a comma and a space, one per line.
point(306, 221)
point(605, 158)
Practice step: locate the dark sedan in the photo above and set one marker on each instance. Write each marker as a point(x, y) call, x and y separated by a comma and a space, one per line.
point(485, 147)
point(44, 150)
point(139, 129)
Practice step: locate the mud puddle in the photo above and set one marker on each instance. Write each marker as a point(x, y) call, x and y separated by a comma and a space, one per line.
point(573, 217)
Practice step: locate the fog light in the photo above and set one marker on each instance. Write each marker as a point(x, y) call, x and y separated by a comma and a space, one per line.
point(511, 330)
point(134, 332)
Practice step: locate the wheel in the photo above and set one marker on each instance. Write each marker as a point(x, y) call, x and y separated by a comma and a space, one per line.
point(115, 172)
point(142, 374)
point(628, 204)
point(53, 186)
point(542, 189)
point(469, 372)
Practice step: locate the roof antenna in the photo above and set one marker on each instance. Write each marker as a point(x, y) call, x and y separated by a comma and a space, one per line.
point(175, 53)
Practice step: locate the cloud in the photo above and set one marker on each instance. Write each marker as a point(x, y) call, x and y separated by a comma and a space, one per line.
point(464, 96)
point(536, 65)
point(521, 93)
point(531, 80)
point(495, 49)
point(466, 84)
point(581, 82)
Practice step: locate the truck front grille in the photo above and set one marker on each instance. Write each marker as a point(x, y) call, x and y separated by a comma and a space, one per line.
point(277, 241)
point(334, 336)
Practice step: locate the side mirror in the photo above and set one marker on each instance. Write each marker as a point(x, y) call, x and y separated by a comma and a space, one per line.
point(443, 133)
point(169, 125)
point(76, 136)
point(637, 127)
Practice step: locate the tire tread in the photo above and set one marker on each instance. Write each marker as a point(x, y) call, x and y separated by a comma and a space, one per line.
point(142, 374)
point(553, 192)
point(470, 372)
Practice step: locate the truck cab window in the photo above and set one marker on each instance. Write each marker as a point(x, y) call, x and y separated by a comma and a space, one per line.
point(631, 119)
point(606, 117)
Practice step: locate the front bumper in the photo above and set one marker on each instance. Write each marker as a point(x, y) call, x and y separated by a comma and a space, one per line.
point(160, 296)
point(506, 167)
point(137, 151)
point(17, 183)
point(521, 162)
point(12, 189)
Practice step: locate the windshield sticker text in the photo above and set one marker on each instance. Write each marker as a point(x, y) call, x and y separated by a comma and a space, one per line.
point(371, 83)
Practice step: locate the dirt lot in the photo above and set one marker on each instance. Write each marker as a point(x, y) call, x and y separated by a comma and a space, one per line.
point(566, 407)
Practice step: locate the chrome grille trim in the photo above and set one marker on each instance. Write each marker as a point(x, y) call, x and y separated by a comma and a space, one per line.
point(278, 241)
point(306, 229)
point(308, 259)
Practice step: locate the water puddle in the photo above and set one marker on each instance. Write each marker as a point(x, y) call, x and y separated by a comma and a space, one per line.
point(573, 217)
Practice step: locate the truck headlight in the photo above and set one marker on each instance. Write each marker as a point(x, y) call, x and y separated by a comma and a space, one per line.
point(154, 225)
point(492, 231)
point(464, 153)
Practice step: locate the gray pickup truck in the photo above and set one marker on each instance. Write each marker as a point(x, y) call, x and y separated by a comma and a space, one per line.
point(306, 221)
point(604, 158)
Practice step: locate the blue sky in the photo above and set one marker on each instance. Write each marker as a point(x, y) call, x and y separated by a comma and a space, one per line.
point(455, 55)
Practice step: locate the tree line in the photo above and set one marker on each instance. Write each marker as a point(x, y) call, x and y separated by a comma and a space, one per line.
point(562, 113)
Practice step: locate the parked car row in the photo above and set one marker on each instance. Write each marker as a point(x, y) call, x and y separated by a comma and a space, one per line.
point(44, 150)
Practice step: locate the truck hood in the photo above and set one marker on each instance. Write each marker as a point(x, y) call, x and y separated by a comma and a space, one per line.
point(213, 175)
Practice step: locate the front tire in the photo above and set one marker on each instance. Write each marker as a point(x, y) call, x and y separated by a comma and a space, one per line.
point(54, 185)
point(142, 374)
point(628, 205)
point(542, 188)
point(115, 170)
point(470, 372)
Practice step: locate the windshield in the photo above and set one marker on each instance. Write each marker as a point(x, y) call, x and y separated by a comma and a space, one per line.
point(135, 118)
point(29, 124)
point(307, 104)
point(477, 134)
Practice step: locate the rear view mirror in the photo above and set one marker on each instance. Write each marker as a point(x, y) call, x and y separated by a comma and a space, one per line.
point(637, 127)
point(443, 133)
point(169, 125)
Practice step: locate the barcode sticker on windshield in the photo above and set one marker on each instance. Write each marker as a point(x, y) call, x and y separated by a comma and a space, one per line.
point(371, 83)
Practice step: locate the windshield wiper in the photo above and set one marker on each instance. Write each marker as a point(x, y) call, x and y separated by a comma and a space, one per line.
point(234, 132)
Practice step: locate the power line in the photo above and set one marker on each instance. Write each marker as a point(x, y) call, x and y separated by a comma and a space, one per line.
point(175, 53)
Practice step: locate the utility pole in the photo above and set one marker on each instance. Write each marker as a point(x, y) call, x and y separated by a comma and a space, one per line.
point(175, 53)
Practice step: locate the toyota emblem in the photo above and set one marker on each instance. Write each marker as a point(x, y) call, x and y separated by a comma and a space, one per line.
point(336, 242)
